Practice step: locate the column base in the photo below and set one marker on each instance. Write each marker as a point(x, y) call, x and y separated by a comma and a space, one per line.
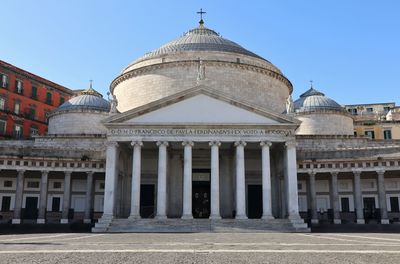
point(337, 221)
point(187, 217)
point(267, 217)
point(294, 217)
point(87, 221)
point(215, 217)
point(314, 221)
point(64, 221)
point(360, 221)
point(134, 217)
point(385, 221)
point(241, 217)
point(41, 221)
point(16, 221)
point(160, 217)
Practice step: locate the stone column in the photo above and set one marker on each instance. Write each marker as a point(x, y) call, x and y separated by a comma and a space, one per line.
point(313, 198)
point(335, 198)
point(110, 180)
point(358, 197)
point(89, 198)
point(187, 180)
point(382, 197)
point(291, 181)
point(266, 180)
point(136, 171)
point(18, 197)
point(215, 198)
point(66, 197)
point(43, 198)
point(162, 180)
point(240, 181)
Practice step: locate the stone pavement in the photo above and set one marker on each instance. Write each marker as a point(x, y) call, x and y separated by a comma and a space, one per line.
point(200, 248)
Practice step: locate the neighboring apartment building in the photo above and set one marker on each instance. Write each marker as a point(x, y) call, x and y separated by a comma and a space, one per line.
point(378, 121)
point(25, 101)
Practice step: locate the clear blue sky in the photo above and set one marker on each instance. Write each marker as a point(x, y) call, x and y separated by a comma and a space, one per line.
point(350, 49)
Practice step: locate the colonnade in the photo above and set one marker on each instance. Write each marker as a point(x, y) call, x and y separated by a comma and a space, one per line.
point(112, 158)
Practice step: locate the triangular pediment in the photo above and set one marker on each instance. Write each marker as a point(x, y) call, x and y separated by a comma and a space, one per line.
point(199, 106)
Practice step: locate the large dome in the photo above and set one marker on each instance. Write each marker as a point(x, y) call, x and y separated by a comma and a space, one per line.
point(226, 67)
point(199, 39)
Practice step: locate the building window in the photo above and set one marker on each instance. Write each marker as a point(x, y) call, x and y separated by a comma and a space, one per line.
point(8, 184)
point(394, 204)
point(55, 204)
point(370, 110)
point(33, 131)
point(18, 131)
point(3, 80)
point(62, 100)
point(3, 125)
point(34, 92)
point(386, 109)
point(355, 133)
point(48, 98)
point(345, 204)
point(353, 111)
point(31, 113)
point(18, 86)
point(370, 134)
point(33, 184)
point(387, 134)
point(6, 204)
point(102, 185)
point(17, 108)
point(2, 103)
point(57, 185)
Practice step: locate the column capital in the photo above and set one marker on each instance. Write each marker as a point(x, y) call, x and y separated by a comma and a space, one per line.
point(240, 143)
point(111, 144)
point(187, 143)
point(136, 143)
point(162, 143)
point(214, 143)
point(20, 171)
point(290, 144)
point(89, 173)
point(45, 172)
point(311, 172)
point(265, 144)
point(357, 172)
point(381, 172)
point(334, 173)
point(67, 173)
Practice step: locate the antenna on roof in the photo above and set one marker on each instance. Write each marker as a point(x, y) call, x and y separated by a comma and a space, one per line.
point(311, 83)
point(91, 83)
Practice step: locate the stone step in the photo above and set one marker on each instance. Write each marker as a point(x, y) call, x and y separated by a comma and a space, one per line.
point(200, 225)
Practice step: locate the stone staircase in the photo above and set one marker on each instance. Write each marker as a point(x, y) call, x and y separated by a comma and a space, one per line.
point(199, 225)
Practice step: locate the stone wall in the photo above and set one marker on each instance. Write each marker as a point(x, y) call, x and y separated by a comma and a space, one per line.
point(325, 124)
point(77, 122)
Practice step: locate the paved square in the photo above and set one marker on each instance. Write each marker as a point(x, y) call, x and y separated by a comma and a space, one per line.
point(200, 248)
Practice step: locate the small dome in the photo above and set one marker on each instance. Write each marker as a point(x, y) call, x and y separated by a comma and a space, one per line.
point(87, 99)
point(314, 101)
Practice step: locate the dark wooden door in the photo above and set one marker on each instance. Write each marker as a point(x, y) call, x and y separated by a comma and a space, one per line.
point(254, 201)
point(201, 199)
point(31, 211)
point(147, 200)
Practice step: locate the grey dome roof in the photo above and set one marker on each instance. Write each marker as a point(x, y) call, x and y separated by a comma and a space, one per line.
point(199, 39)
point(315, 101)
point(87, 99)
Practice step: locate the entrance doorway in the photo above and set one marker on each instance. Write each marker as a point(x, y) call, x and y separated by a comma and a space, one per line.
point(147, 200)
point(369, 208)
point(201, 193)
point(254, 201)
point(31, 211)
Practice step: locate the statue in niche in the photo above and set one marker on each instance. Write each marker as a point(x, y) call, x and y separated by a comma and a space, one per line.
point(114, 103)
point(201, 71)
point(289, 105)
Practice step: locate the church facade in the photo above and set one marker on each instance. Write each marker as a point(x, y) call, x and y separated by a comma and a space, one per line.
point(200, 135)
